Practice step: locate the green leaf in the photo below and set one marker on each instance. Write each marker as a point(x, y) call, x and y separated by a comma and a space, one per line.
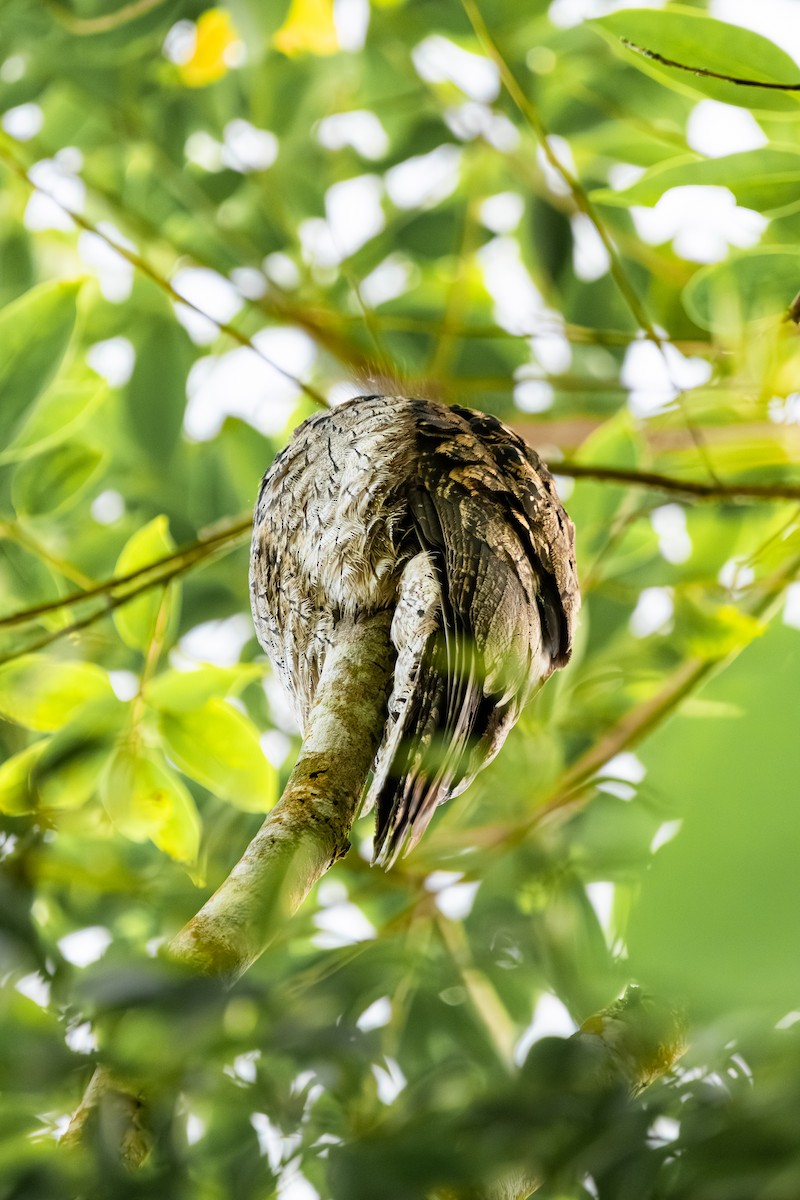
point(186, 691)
point(766, 180)
point(56, 414)
point(66, 774)
point(55, 480)
point(145, 799)
point(749, 286)
point(136, 620)
point(688, 37)
point(43, 693)
point(219, 747)
point(17, 791)
point(156, 394)
point(712, 633)
point(35, 331)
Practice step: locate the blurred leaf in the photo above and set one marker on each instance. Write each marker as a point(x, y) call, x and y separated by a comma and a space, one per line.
point(56, 479)
point(219, 747)
point(713, 632)
point(156, 394)
point(35, 331)
point(136, 620)
point(766, 179)
point(145, 799)
point(723, 892)
point(17, 794)
point(684, 35)
point(186, 691)
point(16, 263)
point(42, 693)
point(56, 414)
point(66, 773)
point(750, 285)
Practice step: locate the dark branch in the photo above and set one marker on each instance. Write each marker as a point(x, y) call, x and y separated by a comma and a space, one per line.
point(735, 492)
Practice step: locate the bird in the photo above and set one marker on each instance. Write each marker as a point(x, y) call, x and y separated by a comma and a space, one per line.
point(443, 517)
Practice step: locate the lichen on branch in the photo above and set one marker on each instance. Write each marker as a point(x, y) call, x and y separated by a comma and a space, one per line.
point(308, 830)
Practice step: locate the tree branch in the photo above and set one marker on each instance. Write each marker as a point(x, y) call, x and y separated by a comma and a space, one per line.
point(308, 829)
point(120, 1113)
point(735, 492)
point(222, 538)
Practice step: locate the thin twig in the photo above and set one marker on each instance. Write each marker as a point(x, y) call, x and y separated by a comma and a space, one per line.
point(196, 551)
point(87, 26)
point(147, 269)
point(583, 205)
point(111, 602)
point(735, 492)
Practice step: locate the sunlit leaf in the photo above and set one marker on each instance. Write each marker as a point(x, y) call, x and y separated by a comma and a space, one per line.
point(67, 772)
point(145, 799)
point(682, 35)
point(186, 691)
point(17, 790)
point(219, 747)
point(136, 621)
point(714, 632)
point(766, 179)
point(43, 693)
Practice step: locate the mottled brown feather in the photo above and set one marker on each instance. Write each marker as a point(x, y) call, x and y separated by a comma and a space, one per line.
point(444, 516)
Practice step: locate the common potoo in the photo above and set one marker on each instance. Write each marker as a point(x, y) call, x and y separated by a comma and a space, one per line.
point(444, 517)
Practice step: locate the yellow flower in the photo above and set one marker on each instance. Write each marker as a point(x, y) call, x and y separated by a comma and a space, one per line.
point(308, 29)
point(214, 37)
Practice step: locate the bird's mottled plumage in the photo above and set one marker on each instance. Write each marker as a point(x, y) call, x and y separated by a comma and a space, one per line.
point(445, 517)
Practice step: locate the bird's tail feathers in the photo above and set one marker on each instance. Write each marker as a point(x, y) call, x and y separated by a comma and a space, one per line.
point(424, 754)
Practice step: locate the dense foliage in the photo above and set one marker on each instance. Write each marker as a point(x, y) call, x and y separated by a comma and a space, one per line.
point(265, 205)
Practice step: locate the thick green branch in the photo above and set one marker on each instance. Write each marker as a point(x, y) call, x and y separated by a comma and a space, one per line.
point(308, 829)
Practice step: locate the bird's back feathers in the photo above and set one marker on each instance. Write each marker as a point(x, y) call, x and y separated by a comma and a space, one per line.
point(445, 515)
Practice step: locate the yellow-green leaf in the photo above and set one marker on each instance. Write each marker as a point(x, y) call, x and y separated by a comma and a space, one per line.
point(185, 691)
point(43, 693)
point(219, 747)
point(136, 620)
point(145, 799)
point(55, 480)
point(34, 334)
point(17, 789)
point(67, 772)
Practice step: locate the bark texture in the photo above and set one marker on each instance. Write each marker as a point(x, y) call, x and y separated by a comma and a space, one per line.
point(308, 830)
